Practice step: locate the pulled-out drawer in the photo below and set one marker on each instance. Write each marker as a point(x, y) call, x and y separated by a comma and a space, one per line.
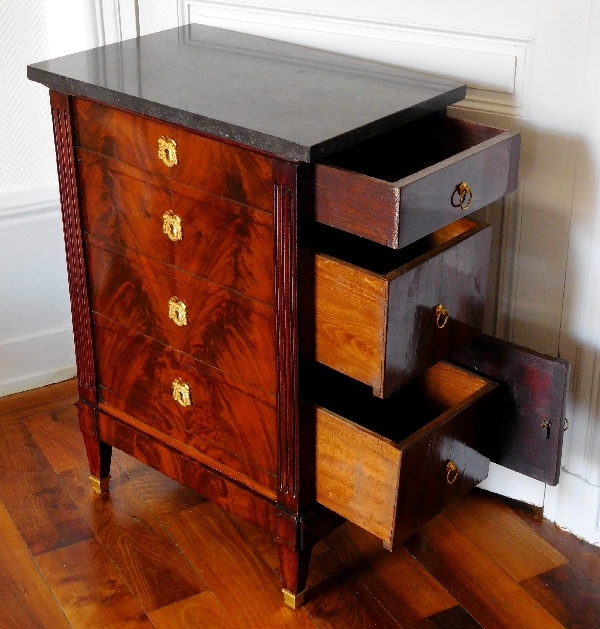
point(391, 465)
point(382, 316)
point(409, 182)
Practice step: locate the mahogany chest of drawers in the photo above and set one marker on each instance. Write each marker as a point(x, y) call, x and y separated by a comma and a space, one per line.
point(277, 290)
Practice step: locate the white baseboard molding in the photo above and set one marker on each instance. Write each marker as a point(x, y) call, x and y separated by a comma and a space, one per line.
point(35, 361)
point(511, 484)
point(28, 204)
point(573, 505)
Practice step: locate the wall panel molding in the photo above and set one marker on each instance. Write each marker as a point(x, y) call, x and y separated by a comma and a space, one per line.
point(29, 204)
point(35, 360)
point(495, 67)
point(114, 20)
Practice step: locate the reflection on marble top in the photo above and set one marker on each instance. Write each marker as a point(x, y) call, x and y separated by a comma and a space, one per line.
point(297, 103)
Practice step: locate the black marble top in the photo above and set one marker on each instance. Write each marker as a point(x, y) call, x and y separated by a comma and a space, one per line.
point(298, 103)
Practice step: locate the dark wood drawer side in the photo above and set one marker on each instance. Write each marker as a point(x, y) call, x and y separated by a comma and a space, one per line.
point(215, 325)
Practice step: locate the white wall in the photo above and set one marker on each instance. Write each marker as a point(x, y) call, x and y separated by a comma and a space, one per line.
point(36, 344)
point(531, 65)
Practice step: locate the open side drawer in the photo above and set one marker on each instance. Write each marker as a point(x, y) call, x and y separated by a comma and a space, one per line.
point(388, 465)
point(404, 184)
point(382, 316)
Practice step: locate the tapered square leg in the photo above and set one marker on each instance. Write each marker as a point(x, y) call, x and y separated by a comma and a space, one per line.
point(99, 453)
point(99, 457)
point(294, 572)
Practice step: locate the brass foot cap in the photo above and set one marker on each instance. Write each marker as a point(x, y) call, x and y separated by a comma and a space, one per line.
point(293, 600)
point(100, 485)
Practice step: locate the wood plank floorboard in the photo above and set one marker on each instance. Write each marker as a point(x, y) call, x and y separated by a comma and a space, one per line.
point(202, 611)
point(33, 494)
point(400, 584)
point(26, 599)
point(584, 555)
point(246, 587)
point(488, 593)
point(570, 596)
point(58, 437)
point(453, 618)
point(89, 588)
point(505, 538)
point(152, 553)
point(144, 552)
point(39, 400)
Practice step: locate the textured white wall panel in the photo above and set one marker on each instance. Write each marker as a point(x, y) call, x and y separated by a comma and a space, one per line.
point(36, 345)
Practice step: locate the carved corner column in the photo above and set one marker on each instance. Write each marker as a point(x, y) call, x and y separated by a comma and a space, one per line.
point(293, 491)
point(286, 333)
point(64, 141)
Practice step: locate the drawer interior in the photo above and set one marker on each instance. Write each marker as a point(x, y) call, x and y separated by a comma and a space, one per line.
point(400, 415)
point(382, 464)
point(402, 152)
point(382, 260)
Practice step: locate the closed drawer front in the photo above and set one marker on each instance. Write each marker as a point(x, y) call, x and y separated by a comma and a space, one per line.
point(391, 465)
point(214, 166)
point(383, 316)
point(228, 421)
point(405, 184)
point(211, 237)
point(212, 324)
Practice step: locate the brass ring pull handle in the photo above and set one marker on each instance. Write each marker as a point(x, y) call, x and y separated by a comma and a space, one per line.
point(181, 392)
point(177, 311)
point(463, 191)
point(451, 473)
point(167, 151)
point(441, 317)
point(172, 226)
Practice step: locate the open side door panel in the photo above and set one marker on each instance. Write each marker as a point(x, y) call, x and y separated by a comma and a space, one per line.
point(533, 396)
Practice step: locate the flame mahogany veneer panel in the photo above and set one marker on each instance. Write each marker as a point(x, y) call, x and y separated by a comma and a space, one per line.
point(229, 420)
point(225, 330)
point(208, 483)
point(225, 242)
point(217, 167)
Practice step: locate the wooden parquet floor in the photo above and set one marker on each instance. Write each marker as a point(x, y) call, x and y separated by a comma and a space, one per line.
point(154, 554)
